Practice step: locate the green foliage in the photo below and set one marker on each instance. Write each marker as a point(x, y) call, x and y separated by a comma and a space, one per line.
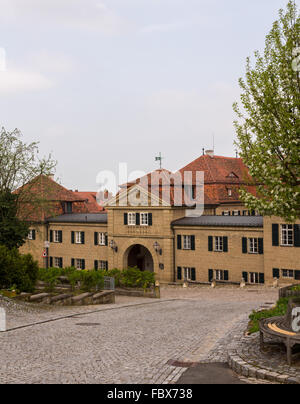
point(296, 288)
point(268, 124)
point(131, 277)
point(50, 277)
point(279, 310)
point(13, 231)
point(17, 271)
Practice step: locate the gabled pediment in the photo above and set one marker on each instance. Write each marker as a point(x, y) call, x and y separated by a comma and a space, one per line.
point(136, 196)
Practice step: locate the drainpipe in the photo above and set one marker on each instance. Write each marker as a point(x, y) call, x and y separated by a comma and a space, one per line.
point(174, 256)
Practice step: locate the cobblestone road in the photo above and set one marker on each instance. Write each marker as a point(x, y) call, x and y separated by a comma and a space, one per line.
point(130, 342)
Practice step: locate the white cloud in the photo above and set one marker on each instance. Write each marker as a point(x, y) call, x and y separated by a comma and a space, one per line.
point(83, 14)
point(45, 61)
point(16, 81)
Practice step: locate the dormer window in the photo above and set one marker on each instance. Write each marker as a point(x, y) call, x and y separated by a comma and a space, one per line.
point(68, 207)
point(229, 191)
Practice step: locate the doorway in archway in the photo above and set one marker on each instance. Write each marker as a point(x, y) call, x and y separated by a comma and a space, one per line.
point(139, 256)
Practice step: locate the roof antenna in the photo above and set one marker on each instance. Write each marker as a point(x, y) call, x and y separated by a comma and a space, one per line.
point(214, 143)
point(203, 150)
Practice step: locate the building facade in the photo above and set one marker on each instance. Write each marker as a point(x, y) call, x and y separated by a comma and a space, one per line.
point(226, 243)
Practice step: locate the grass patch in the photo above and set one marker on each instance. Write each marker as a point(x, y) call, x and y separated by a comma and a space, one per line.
point(279, 310)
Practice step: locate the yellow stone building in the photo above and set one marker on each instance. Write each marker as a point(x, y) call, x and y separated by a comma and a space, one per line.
point(226, 243)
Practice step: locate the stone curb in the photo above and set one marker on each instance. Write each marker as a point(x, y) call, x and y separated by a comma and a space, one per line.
point(244, 369)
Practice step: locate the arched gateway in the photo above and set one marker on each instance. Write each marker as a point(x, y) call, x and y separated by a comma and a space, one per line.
point(139, 256)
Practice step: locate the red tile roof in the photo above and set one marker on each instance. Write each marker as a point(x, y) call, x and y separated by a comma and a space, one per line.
point(90, 201)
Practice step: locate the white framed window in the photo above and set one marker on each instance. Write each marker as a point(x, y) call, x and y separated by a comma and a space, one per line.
point(103, 265)
point(219, 244)
point(79, 263)
point(30, 235)
point(229, 192)
point(253, 245)
point(102, 239)
point(56, 237)
point(235, 213)
point(57, 262)
point(226, 213)
point(253, 277)
point(131, 219)
point(287, 235)
point(78, 237)
point(219, 275)
point(144, 219)
point(187, 242)
point(187, 272)
point(288, 273)
point(245, 212)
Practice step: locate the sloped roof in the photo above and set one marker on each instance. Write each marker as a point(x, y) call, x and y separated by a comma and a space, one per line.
point(221, 221)
point(90, 200)
point(80, 218)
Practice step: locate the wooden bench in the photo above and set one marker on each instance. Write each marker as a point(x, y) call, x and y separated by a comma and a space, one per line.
point(280, 329)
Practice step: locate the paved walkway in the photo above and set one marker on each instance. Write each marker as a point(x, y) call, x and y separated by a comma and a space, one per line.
point(134, 341)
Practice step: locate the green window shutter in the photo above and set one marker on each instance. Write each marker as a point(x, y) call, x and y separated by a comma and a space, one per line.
point(73, 262)
point(261, 278)
point(179, 273)
point(82, 237)
point(150, 219)
point(106, 265)
point(193, 274)
point(60, 235)
point(297, 275)
point(260, 245)
point(276, 273)
point(297, 235)
point(83, 264)
point(275, 235)
point(210, 275)
point(125, 219)
point(245, 276)
point(72, 237)
point(193, 243)
point(210, 243)
point(51, 236)
point(96, 265)
point(137, 219)
point(226, 275)
point(51, 262)
point(96, 241)
point(33, 234)
point(106, 240)
point(225, 244)
point(179, 242)
point(245, 245)
point(61, 263)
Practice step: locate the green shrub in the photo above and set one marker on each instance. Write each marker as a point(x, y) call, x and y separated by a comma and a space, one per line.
point(279, 310)
point(16, 270)
point(135, 278)
point(50, 277)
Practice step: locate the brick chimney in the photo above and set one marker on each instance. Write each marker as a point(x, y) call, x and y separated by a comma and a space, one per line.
point(210, 153)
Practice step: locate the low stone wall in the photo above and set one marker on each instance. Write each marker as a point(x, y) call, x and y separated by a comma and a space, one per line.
point(288, 292)
point(151, 293)
point(69, 299)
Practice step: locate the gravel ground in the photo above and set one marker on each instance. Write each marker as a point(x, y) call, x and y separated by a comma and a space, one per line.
point(133, 341)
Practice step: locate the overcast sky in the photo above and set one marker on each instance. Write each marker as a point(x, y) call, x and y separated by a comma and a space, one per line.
point(102, 82)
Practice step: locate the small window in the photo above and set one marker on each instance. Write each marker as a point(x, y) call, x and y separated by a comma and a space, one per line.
point(187, 242)
point(219, 246)
point(254, 277)
point(79, 264)
point(102, 239)
point(226, 213)
point(56, 236)
point(236, 213)
point(288, 273)
point(144, 219)
point(131, 219)
point(229, 191)
point(78, 237)
point(30, 235)
point(69, 207)
point(287, 235)
point(103, 265)
point(219, 275)
point(253, 245)
point(187, 273)
point(57, 262)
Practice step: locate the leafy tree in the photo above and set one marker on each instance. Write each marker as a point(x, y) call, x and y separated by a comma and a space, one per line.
point(20, 165)
point(268, 125)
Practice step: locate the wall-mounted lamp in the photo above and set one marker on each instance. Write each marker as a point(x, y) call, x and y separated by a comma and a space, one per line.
point(157, 248)
point(113, 246)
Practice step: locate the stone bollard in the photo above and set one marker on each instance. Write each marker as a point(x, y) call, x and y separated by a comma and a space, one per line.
point(185, 285)
point(2, 320)
point(243, 283)
point(157, 290)
point(213, 284)
point(275, 283)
